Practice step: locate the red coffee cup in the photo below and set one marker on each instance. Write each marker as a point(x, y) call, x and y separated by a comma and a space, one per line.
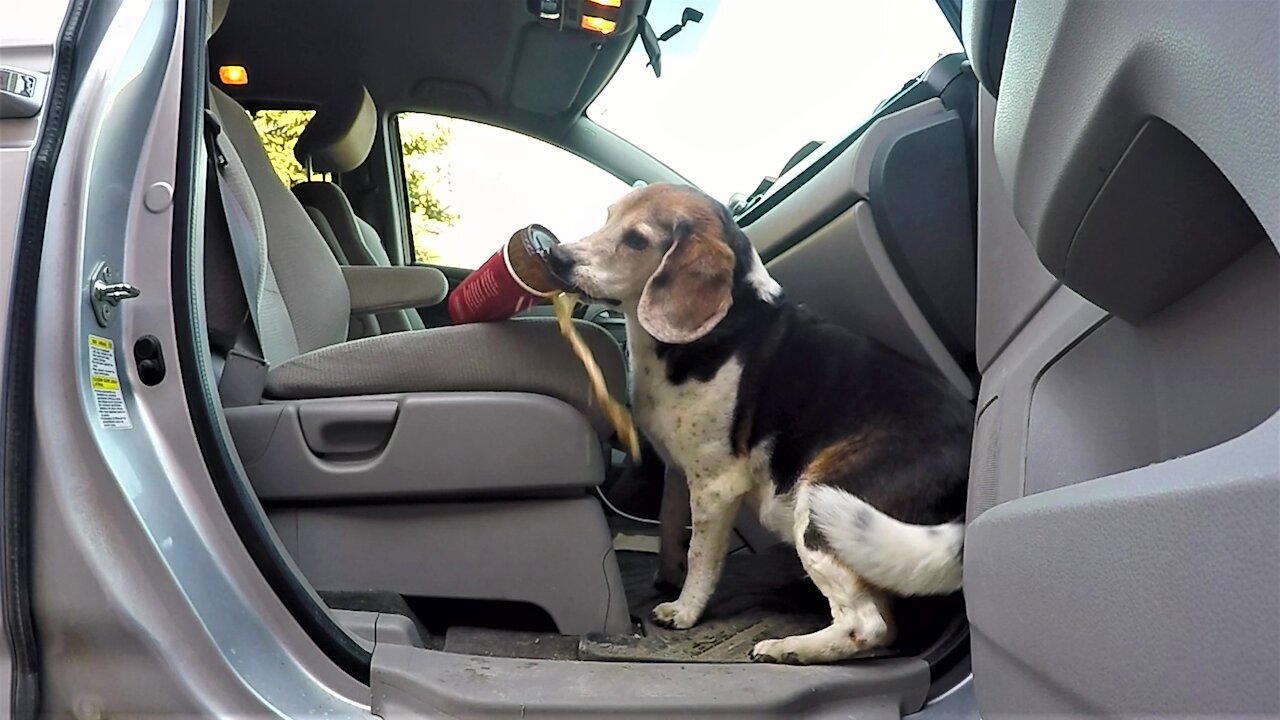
point(513, 279)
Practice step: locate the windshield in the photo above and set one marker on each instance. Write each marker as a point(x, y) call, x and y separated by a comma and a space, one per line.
point(755, 80)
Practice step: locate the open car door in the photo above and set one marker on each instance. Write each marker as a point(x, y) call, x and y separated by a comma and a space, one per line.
point(114, 545)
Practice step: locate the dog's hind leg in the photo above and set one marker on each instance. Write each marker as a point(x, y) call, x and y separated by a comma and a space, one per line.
point(714, 504)
point(860, 618)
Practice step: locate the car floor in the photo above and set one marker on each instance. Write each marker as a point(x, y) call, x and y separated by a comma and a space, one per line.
point(760, 596)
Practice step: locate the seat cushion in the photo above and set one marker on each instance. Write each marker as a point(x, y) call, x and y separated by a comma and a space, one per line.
point(525, 355)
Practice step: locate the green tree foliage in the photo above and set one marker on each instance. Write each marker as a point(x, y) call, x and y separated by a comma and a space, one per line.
point(279, 130)
point(424, 174)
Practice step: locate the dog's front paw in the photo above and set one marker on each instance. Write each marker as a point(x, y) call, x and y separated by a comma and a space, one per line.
point(674, 615)
point(774, 651)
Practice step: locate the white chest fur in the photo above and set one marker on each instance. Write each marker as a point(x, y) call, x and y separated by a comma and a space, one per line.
point(691, 422)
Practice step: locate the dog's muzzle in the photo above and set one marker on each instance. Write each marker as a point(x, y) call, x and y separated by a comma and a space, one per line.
point(561, 265)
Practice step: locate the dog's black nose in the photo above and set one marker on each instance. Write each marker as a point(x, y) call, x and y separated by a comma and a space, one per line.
point(560, 262)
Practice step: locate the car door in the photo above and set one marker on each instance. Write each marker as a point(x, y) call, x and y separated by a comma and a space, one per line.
point(32, 40)
point(1122, 556)
point(116, 599)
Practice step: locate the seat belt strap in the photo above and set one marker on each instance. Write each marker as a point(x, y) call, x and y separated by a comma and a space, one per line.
point(279, 344)
point(226, 306)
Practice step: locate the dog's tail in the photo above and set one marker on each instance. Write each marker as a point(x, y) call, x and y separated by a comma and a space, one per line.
point(902, 558)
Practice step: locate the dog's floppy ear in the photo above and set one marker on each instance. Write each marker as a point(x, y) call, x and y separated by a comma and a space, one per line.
point(692, 288)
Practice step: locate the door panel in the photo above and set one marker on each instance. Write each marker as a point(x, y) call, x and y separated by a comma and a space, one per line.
point(843, 272)
point(881, 242)
point(29, 43)
point(1149, 592)
point(1122, 556)
point(1128, 395)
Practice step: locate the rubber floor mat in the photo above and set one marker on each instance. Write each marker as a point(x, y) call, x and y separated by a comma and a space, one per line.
point(759, 597)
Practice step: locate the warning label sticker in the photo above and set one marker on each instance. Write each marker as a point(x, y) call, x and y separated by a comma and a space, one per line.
point(112, 412)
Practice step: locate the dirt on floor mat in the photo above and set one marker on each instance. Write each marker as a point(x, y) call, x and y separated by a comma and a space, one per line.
point(510, 643)
point(759, 597)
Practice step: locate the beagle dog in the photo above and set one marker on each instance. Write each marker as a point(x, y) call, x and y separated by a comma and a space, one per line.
point(848, 450)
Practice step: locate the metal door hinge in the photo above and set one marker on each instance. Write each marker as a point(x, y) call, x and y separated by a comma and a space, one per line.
point(105, 293)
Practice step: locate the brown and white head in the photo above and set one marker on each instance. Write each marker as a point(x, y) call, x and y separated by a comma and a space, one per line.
point(672, 257)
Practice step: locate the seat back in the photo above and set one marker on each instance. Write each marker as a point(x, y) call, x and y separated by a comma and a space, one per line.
point(338, 140)
point(316, 300)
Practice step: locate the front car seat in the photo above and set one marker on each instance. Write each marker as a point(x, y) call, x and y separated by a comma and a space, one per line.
point(383, 448)
point(338, 140)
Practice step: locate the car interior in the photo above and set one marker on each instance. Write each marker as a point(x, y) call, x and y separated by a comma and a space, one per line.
point(1094, 275)
point(407, 469)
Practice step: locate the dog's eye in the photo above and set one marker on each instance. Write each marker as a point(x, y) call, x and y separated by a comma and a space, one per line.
point(634, 240)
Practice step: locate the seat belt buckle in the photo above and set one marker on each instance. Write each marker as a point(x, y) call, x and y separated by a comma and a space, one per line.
point(212, 129)
point(243, 380)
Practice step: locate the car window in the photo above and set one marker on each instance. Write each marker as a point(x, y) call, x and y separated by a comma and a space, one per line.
point(755, 80)
point(279, 130)
point(471, 185)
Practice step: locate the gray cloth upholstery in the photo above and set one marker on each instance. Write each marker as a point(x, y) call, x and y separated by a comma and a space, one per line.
point(355, 242)
point(247, 234)
point(372, 243)
point(307, 273)
point(360, 325)
point(326, 231)
point(330, 201)
point(395, 321)
point(376, 289)
point(338, 137)
point(985, 28)
point(525, 355)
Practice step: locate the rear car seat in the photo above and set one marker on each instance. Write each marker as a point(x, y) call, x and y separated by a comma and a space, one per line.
point(337, 140)
point(370, 455)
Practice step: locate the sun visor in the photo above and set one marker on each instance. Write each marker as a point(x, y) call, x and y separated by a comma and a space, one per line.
point(551, 68)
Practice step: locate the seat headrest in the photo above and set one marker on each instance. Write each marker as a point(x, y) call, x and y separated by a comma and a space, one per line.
point(217, 12)
point(339, 136)
point(985, 29)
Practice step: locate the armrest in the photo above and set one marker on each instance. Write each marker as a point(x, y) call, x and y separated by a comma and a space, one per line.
point(377, 289)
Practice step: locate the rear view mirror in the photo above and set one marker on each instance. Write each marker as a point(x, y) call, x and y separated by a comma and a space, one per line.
point(689, 15)
point(650, 41)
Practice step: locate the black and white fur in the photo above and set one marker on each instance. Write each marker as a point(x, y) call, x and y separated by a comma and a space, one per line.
point(846, 449)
